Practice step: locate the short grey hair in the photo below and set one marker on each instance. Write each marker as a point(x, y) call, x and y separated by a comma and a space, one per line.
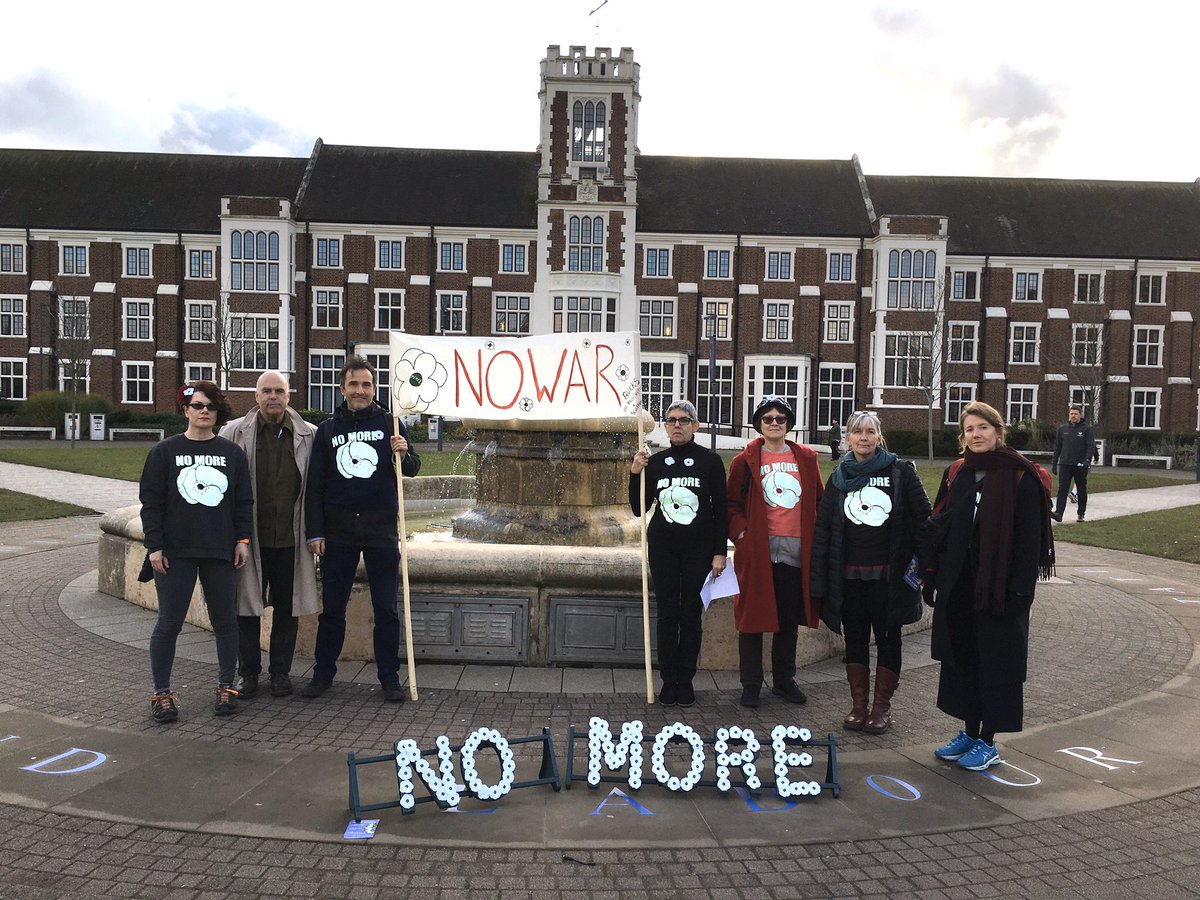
point(860, 418)
point(686, 407)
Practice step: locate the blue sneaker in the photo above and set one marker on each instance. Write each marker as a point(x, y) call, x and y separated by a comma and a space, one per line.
point(980, 756)
point(956, 748)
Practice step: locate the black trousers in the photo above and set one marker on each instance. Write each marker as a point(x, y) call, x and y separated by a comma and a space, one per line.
point(677, 581)
point(865, 609)
point(278, 572)
point(1065, 475)
point(789, 599)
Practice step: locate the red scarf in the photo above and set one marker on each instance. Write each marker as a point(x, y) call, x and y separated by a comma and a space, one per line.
point(996, 517)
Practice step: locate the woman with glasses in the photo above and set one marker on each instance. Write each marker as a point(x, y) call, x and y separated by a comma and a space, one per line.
point(197, 512)
point(687, 539)
point(863, 571)
point(773, 489)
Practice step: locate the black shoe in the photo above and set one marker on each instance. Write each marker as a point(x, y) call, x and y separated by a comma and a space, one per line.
point(393, 692)
point(669, 695)
point(687, 694)
point(281, 685)
point(316, 688)
point(1080, 519)
point(750, 695)
point(226, 703)
point(1056, 515)
point(247, 686)
point(789, 691)
point(164, 707)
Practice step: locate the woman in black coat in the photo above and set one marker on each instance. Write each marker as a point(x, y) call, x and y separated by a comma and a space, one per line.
point(873, 509)
point(992, 541)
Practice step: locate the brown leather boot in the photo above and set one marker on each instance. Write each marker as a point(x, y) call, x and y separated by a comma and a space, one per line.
point(880, 719)
point(859, 677)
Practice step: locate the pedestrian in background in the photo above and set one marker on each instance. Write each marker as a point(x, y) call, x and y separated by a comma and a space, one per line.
point(1074, 449)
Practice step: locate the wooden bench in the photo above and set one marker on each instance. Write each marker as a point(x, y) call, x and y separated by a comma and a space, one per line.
point(1117, 457)
point(1047, 453)
point(29, 431)
point(156, 433)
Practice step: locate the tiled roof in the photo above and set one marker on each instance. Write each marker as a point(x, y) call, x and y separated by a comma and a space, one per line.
point(384, 185)
point(750, 196)
point(163, 192)
point(1051, 217)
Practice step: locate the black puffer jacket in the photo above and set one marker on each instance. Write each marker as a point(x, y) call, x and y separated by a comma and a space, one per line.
point(910, 510)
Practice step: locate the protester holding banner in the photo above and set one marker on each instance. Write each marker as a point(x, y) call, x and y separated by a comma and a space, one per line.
point(864, 571)
point(350, 511)
point(687, 539)
point(773, 490)
point(197, 515)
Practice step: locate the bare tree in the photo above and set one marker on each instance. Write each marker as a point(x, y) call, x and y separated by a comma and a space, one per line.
point(1089, 358)
point(72, 346)
point(223, 329)
point(926, 375)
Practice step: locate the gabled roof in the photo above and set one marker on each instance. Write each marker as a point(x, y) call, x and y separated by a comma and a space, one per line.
point(163, 192)
point(1051, 217)
point(750, 196)
point(385, 185)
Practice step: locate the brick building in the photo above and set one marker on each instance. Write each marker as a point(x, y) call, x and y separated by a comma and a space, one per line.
point(805, 278)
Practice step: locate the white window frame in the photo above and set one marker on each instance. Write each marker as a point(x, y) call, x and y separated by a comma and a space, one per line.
point(208, 306)
point(579, 312)
point(661, 388)
point(790, 385)
point(451, 303)
point(576, 245)
point(329, 301)
point(514, 249)
point(777, 313)
point(1077, 343)
point(910, 290)
point(704, 400)
point(661, 311)
point(782, 261)
point(243, 262)
point(332, 247)
point(87, 376)
point(75, 248)
point(923, 357)
point(272, 345)
point(145, 252)
point(15, 258)
point(1085, 396)
point(458, 259)
point(1134, 406)
point(1008, 403)
point(1095, 277)
point(1021, 278)
point(589, 148)
point(200, 259)
point(1026, 341)
point(14, 309)
point(127, 382)
point(953, 342)
point(835, 322)
point(390, 309)
point(840, 256)
point(508, 306)
point(722, 308)
point(1147, 346)
point(965, 272)
point(86, 315)
point(380, 357)
point(320, 388)
point(658, 251)
point(199, 372)
point(956, 401)
point(10, 375)
point(825, 393)
point(127, 319)
point(391, 243)
point(1150, 279)
point(716, 258)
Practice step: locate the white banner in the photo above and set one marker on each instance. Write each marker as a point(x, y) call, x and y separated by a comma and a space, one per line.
point(549, 377)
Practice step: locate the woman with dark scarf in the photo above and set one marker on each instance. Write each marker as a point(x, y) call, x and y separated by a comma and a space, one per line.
point(992, 542)
point(871, 514)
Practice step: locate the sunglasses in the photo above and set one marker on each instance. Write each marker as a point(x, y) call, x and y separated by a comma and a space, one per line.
point(774, 420)
point(678, 422)
point(211, 407)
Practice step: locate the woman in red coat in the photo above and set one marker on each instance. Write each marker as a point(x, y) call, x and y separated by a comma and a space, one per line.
point(773, 491)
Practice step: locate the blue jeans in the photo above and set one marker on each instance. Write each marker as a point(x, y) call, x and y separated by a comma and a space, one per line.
point(338, 567)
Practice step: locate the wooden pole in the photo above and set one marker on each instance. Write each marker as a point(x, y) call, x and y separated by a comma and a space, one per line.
point(645, 570)
point(408, 640)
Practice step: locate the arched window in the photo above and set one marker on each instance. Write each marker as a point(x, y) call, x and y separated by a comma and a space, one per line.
point(587, 130)
point(912, 279)
point(585, 244)
point(235, 245)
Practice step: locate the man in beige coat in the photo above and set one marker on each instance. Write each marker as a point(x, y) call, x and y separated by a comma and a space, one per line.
point(280, 573)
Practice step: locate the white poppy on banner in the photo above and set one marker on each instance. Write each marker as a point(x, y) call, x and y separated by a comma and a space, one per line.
point(417, 378)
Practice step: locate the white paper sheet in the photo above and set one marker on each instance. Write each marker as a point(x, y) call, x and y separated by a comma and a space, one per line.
point(715, 588)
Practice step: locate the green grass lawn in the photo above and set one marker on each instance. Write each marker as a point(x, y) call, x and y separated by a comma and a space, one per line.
point(16, 507)
point(1169, 533)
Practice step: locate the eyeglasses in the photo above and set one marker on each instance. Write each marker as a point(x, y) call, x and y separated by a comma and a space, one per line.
point(678, 423)
point(774, 420)
point(211, 407)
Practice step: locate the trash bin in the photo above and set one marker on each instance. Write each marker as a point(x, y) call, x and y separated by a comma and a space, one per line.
point(96, 428)
point(70, 426)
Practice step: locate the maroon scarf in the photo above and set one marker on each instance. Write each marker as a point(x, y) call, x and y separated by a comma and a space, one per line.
point(997, 507)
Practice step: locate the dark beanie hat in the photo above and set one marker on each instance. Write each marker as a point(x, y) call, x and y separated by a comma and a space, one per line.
point(778, 404)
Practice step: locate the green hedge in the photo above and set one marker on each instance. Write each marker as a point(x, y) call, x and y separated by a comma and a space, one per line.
point(915, 444)
point(47, 409)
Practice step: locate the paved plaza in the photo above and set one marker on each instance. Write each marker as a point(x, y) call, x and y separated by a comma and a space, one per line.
point(1097, 798)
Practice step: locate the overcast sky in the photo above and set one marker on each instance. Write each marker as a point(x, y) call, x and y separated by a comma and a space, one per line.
point(1035, 89)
